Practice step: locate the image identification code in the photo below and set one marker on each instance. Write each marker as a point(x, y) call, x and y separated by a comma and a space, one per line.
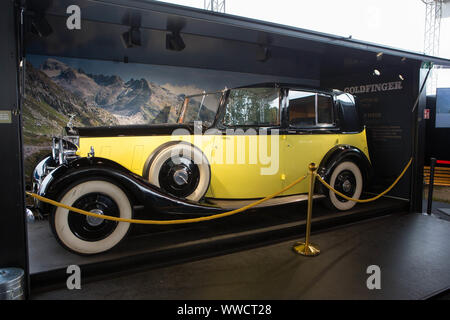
point(231, 309)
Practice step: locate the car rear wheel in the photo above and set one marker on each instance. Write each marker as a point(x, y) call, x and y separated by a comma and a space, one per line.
point(347, 179)
point(90, 235)
point(180, 170)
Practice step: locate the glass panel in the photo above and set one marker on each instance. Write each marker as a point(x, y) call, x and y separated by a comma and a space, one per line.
point(252, 107)
point(302, 109)
point(202, 108)
point(443, 108)
point(324, 109)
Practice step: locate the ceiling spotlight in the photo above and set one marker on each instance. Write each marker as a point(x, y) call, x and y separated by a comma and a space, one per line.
point(132, 38)
point(379, 56)
point(403, 59)
point(263, 54)
point(376, 72)
point(174, 41)
point(401, 77)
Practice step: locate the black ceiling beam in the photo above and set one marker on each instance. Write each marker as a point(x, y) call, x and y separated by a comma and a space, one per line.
point(156, 15)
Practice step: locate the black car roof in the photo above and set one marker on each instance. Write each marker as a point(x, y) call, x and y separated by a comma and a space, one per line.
point(290, 86)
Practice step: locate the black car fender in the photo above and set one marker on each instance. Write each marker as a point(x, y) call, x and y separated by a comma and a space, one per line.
point(340, 153)
point(140, 191)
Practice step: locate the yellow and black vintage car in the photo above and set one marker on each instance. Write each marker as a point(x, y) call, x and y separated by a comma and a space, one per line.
point(226, 149)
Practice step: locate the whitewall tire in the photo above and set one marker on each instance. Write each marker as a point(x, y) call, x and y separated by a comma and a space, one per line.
point(180, 170)
point(87, 235)
point(347, 179)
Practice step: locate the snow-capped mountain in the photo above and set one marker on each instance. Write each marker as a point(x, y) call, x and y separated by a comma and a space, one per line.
point(133, 101)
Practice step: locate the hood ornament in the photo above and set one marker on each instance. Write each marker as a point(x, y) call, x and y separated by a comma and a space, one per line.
point(70, 124)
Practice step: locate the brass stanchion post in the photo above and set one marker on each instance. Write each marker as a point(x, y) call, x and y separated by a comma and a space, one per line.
point(306, 248)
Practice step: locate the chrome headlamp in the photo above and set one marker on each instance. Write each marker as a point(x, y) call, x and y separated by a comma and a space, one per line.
point(42, 169)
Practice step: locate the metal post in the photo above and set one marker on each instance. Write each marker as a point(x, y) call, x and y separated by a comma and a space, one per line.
point(430, 185)
point(306, 248)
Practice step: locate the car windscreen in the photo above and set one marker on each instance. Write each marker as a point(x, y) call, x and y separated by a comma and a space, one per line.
point(202, 107)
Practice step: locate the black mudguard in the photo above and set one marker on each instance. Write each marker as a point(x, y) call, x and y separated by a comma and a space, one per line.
point(140, 191)
point(340, 153)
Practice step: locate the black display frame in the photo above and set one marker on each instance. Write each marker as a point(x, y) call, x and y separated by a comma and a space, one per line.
point(322, 56)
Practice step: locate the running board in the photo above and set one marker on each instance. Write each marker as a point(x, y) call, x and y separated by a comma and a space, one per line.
point(239, 203)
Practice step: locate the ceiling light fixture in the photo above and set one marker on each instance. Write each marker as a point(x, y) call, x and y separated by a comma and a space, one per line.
point(174, 41)
point(263, 54)
point(132, 38)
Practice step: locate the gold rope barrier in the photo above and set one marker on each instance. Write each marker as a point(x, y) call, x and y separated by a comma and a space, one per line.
point(365, 200)
point(161, 222)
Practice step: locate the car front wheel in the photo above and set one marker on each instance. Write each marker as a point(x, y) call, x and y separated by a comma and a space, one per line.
point(347, 179)
point(90, 235)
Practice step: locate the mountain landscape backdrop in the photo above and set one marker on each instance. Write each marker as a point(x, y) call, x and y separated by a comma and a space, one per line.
point(56, 91)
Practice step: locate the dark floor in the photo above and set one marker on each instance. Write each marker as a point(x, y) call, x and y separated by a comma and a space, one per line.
point(45, 254)
point(412, 251)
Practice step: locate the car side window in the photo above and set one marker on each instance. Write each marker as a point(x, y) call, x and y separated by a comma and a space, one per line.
point(309, 109)
point(252, 107)
point(324, 110)
point(302, 109)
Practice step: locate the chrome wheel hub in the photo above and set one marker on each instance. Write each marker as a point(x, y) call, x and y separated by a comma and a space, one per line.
point(181, 177)
point(346, 186)
point(94, 221)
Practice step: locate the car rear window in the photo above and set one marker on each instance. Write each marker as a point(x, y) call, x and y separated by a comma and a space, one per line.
point(309, 109)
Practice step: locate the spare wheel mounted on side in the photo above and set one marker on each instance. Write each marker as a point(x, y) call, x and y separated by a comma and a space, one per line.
point(180, 169)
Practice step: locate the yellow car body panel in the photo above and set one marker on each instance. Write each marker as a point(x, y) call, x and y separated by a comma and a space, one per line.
point(236, 171)
point(301, 150)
